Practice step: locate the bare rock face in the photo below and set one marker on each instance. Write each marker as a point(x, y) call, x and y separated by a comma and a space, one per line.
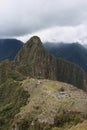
point(33, 60)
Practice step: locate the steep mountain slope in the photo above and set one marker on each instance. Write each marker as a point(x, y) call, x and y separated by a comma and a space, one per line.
point(12, 98)
point(9, 48)
point(12, 95)
point(7, 71)
point(74, 52)
point(33, 60)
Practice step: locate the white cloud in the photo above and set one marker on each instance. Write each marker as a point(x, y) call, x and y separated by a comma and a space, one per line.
point(66, 34)
point(62, 17)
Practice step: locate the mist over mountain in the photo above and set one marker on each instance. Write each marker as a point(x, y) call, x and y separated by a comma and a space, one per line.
point(73, 52)
point(85, 45)
point(9, 48)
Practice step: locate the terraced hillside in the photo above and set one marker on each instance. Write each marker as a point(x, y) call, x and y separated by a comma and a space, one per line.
point(41, 104)
point(51, 105)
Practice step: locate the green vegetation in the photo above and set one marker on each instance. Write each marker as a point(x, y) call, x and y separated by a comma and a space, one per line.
point(12, 98)
point(67, 118)
point(7, 71)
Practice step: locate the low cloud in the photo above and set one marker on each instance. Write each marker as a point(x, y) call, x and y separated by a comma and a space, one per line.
point(66, 34)
point(22, 17)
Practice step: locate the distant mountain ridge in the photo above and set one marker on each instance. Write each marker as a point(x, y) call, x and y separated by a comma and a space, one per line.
point(73, 52)
point(9, 48)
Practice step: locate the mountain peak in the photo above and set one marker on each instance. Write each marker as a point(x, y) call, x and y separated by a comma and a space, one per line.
point(34, 40)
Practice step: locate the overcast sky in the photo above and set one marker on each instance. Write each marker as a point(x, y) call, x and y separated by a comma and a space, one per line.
point(52, 20)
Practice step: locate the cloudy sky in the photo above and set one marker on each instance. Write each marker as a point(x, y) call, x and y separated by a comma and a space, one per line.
point(52, 20)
